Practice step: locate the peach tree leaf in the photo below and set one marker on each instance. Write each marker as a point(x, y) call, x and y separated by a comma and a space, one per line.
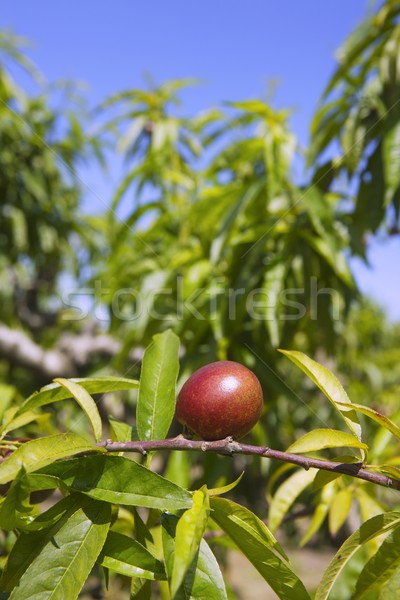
point(156, 399)
point(329, 385)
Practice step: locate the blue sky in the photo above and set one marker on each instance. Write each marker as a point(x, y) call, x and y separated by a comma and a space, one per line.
point(238, 50)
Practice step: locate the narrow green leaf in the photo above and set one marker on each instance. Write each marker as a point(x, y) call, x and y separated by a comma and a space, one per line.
point(225, 488)
point(179, 468)
point(368, 531)
point(35, 454)
point(12, 423)
point(339, 509)
point(120, 480)
point(329, 385)
point(381, 567)
point(321, 511)
point(257, 543)
point(286, 494)
point(156, 399)
point(54, 392)
point(67, 555)
point(318, 439)
point(374, 415)
point(16, 502)
point(7, 393)
point(86, 402)
point(203, 580)
point(391, 159)
point(189, 533)
point(128, 557)
point(120, 431)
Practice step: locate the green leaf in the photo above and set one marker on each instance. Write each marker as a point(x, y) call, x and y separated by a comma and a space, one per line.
point(381, 567)
point(375, 416)
point(391, 156)
point(12, 422)
point(119, 480)
point(189, 533)
point(66, 553)
point(35, 454)
point(86, 402)
point(368, 531)
point(93, 385)
point(339, 510)
point(226, 488)
point(321, 510)
point(329, 385)
point(7, 393)
point(120, 431)
point(16, 501)
point(178, 468)
point(319, 439)
point(203, 580)
point(128, 557)
point(286, 494)
point(156, 400)
point(256, 542)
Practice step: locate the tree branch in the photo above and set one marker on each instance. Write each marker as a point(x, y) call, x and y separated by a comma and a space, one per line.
point(229, 447)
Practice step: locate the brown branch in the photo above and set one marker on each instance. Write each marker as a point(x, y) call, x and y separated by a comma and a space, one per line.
point(229, 447)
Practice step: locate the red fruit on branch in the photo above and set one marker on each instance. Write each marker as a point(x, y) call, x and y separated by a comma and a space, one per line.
point(219, 400)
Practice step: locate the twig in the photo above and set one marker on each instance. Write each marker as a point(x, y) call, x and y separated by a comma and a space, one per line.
point(229, 447)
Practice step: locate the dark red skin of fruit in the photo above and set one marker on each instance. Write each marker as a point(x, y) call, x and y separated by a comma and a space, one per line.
point(219, 400)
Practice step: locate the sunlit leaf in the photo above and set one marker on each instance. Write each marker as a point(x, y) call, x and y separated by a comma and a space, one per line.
point(35, 454)
point(86, 402)
point(93, 385)
point(329, 385)
point(257, 543)
point(128, 557)
point(119, 480)
point(203, 580)
point(376, 526)
point(156, 400)
point(318, 439)
point(339, 509)
point(189, 533)
point(286, 494)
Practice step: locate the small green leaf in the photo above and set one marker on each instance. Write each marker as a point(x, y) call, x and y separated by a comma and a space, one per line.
point(126, 556)
point(35, 454)
point(381, 567)
point(156, 399)
point(318, 439)
point(204, 580)
point(321, 510)
point(120, 480)
point(93, 385)
point(16, 502)
point(120, 431)
point(368, 531)
point(339, 509)
point(86, 402)
point(374, 415)
point(329, 385)
point(189, 533)
point(226, 488)
point(286, 494)
point(257, 543)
